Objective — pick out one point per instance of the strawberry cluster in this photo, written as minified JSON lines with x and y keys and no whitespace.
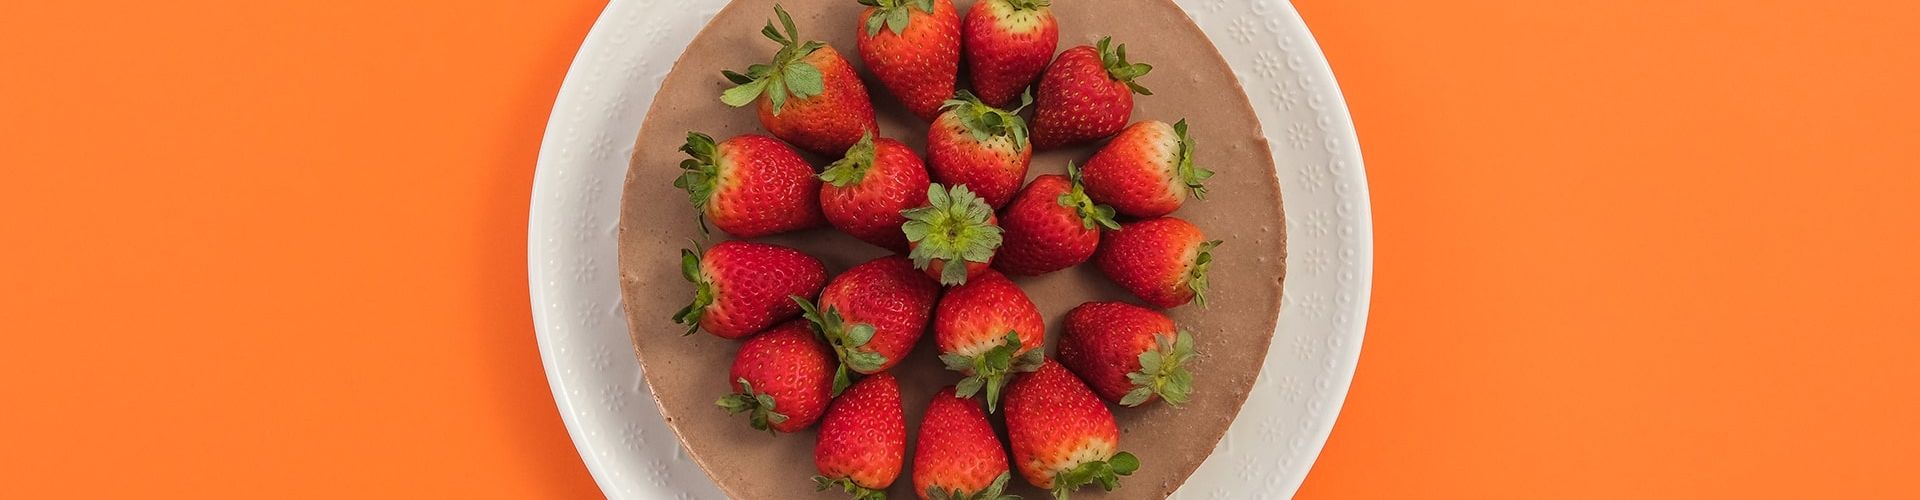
{"x":819,"y":350}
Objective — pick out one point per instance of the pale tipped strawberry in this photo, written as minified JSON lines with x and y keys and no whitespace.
{"x":784,"y":377}
{"x":957,"y":456}
{"x":863,"y":439}
{"x":1086,"y":95}
{"x":1009,"y":43}
{"x":913,"y":46}
{"x":864,"y":193}
{"x":954,"y":236}
{"x":872,"y":315}
{"x":1147,"y":171}
{"x":1052,"y":225}
{"x":808,"y":95}
{"x":741,"y":288}
{"x":981,"y":147}
{"x":1163,"y":261}
{"x":988,"y":330}
{"x":749,"y":186}
{"x":1063,"y":437}
{"x":1130,"y":355}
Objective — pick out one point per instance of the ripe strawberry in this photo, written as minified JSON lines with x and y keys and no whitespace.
{"x":749,"y":186}
{"x":808,"y":95}
{"x":1163,"y":261}
{"x":1147,"y":170}
{"x":863,"y":439}
{"x":1051,"y":226}
{"x":872,"y":315}
{"x":982,"y":147}
{"x":1009,"y":43}
{"x":1087,"y":94}
{"x":914,"y":47}
{"x":866,"y":191}
{"x":954,"y":236}
{"x":784,"y":377}
{"x":1127,"y":353}
{"x":1063,"y":436}
{"x":957,"y":456}
{"x":988,"y":329}
{"x":741,"y":288}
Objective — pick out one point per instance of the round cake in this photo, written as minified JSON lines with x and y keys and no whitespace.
{"x":1189,"y":81}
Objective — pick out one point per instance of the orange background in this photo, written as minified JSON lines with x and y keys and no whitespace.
{"x":1625,"y":249}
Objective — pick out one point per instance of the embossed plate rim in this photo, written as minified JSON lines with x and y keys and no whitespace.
{"x":596,"y":381}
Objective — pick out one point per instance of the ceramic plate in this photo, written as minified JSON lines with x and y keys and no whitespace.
{"x":596,"y":380}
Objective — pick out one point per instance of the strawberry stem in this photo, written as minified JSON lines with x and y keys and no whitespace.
{"x":786,"y":77}
{"x":1115,"y":59}
{"x":1106,"y":472}
{"x":1197,"y":276}
{"x":1163,"y":371}
{"x":823,"y":483}
{"x":1091,"y":214}
{"x":759,"y":405}
{"x":848,"y":342}
{"x":703,"y":294}
{"x":953,"y":228}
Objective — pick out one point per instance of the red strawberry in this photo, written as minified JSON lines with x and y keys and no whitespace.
{"x":784,"y":377}
{"x":1063,"y":437}
{"x":1163,"y":261}
{"x":863,"y":439}
{"x":1008,"y":43}
{"x":1147,"y":170}
{"x":914,"y":47}
{"x":873,"y":314}
{"x":988,"y":329}
{"x":1051,"y":226}
{"x":1087,"y":94}
{"x":982,"y":147}
{"x":741,"y":288}
{"x":808,"y":95}
{"x":866,"y":191}
{"x":954,"y":236}
{"x":1127,"y":353}
{"x":957,"y":456}
{"x":750,"y":185}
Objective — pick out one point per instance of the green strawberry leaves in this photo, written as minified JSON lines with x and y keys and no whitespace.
{"x":847,"y":341}
{"x":985,"y":122}
{"x":1163,"y":372}
{"x":760,"y":405}
{"x":787,"y":77}
{"x":853,"y":167}
{"x":995,"y":491}
{"x":990,"y":369}
{"x":1115,"y":59}
{"x":1091,"y":214}
{"x":893,"y":14}
{"x":699,"y":175}
{"x":703,"y":295}
{"x":823,"y":483}
{"x":1106,"y":472}
{"x":954,"y":228}
{"x":1189,"y":174}
{"x":1197,"y":276}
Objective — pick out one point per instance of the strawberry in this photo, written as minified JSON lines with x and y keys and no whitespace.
{"x":954,"y":236}
{"x":741,"y":288}
{"x":914,"y":47}
{"x":1163,"y":261}
{"x":872,"y":315}
{"x":1147,"y":170}
{"x":865,"y":192}
{"x":1127,"y":353}
{"x":863,"y":439}
{"x":1008,"y":43}
{"x":808,"y":95}
{"x":1063,"y":437}
{"x":784,"y":376}
{"x":1086,"y":94}
{"x":1051,"y":226}
{"x":982,"y":147}
{"x":957,"y":456}
{"x":749,"y":186}
{"x":988,"y":329}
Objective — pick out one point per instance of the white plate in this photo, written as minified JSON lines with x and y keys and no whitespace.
{"x":576,"y":204}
